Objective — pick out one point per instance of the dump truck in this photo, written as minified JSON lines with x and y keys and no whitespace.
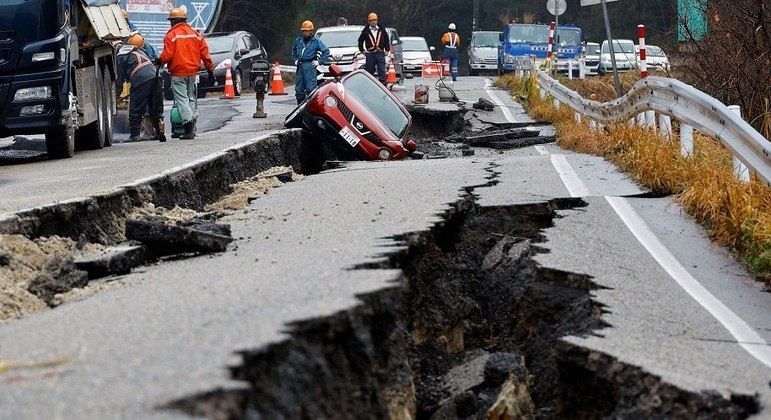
{"x":57,"y":71}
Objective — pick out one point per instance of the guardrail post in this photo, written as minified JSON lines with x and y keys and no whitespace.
{"x":665,"y":125}
{"x":686,"y":140}
{"x":741,"y":172}
{"x":556,"y":103}
{"x":592,"y":125}
{"x":640,"y":119}
{"x":542,"y":93}
{"x":570,"y":69}
{"x":577,"y":117}
{"x":650,"y":119}
{"x":582,"y":68}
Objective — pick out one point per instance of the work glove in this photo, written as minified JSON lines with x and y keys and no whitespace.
{"x":297,"y":63}
{"x":212,"y":78}
{"x":315,"y":63}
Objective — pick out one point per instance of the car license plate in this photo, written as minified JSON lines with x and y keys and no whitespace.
{"x":348,"y":135}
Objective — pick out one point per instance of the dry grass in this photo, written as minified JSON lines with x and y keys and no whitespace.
{"x":737,"y":214}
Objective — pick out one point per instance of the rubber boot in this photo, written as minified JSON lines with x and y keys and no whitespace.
{"x":189,"y":133}
{"x":160,"y":129}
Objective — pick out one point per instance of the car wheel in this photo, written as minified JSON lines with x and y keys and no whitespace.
{"x":237,"y":82}
{"x":473,"y":72}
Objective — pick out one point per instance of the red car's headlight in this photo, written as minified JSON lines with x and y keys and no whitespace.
{"x":330,"y":101}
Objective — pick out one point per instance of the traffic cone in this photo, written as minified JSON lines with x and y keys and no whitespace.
{"x":277,"y":85}
{"x":391,"y":73}
{"x":229,"y":92}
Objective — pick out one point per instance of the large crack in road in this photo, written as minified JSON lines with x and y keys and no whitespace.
{"x":472,"y":330}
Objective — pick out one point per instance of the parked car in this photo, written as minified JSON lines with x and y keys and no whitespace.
{"x":356,"y":116}
{"x":342,"y":42}
{"x":626,"y":59}
{"x":416,"y":52}
{"x":397,"y":50}
{"x":592,"y":57}
{"x":483,"y":51}
{"x":239,"y":50}
{"x":655,"y":57}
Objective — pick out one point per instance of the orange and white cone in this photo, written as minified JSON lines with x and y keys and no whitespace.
{"x":391,"y":73}
{"x":277,"y":85}
{"x":229,"y":92}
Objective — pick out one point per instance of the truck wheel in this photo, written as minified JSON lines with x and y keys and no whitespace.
{"x":109,"y":104}
{"x":60,"y":142}
{"x":92,"y":136}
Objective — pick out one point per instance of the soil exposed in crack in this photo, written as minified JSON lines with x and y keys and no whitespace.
{"x":41,"y":273}
{"x":473,"y":330}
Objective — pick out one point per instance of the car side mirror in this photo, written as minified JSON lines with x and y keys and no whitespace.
{"x":335,"y":70}
{"x":243,"y":51}
{"x":431,"y":49}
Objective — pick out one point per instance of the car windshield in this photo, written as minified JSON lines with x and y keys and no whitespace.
{"x":569,"y":36}
{"x":619,"y":47}
{"x":414,"y":44}
{"x":593,"y":49}
{"x":522,"y":34}
{"x":654,"y":51}
{"x":374,"y":97}
{"x":220,"y":44}
{"x":337,"y":39}
{"x":485,"y":40}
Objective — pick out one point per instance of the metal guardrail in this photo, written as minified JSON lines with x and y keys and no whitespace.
{"x":673,"y":98}
{"x":288,"y":69}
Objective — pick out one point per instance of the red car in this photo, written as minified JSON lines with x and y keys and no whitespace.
{"x":358,"y":117}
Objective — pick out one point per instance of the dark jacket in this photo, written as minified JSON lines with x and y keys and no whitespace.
{"x":377,"y":43}
{"x":134,"y":66}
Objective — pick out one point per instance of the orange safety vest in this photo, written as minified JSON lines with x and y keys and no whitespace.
{"x":451,"y":40}
{"x":374,"y":40}
{"x":142,"y":61}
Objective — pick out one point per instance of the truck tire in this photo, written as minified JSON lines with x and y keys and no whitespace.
{"x":109,"y":104}
{"x":60,"y":142}
{"x":92,"y":136}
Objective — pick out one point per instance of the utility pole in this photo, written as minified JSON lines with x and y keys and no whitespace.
{"x":475,"y":23}
{"x":612,"y":50}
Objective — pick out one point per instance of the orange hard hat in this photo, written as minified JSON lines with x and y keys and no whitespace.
{"x":124,"y":12}
{"x":306,"y":26}
{"x":136,"y":40}
{"x":177,"y":13}
{"x":372,"y":16}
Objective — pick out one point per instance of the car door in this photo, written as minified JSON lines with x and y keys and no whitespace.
{"x":245,"y":57}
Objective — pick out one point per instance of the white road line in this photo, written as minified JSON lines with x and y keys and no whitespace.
{"x":744,"y":334}
{"x":573,"y":183}
{"x":542,"y":150}
{"x":497,"y":100}
{"x":746,"y":337}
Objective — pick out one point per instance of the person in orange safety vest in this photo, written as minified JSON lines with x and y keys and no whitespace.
{"x":183,"y":50}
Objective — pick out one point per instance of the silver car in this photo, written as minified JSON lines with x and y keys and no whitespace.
{"x":626,"y":58}
{"x":416,"y":53}
{"x":483,"y":52}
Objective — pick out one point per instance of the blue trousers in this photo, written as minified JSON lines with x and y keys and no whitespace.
{"x":375,"y":61}
{"x":452,"y":55}
{"x":306,"y":81}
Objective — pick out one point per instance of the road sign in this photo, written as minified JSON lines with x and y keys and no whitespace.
{"x":149,"y":16}
{"x":556,"y":7}
{"x":593,"y":2}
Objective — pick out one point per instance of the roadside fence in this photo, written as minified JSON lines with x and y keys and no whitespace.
{"x":654,"y":101}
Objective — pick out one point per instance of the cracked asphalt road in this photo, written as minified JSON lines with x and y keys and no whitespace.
{"x":170,"y":330}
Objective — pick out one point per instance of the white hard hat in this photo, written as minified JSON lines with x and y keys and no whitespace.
{"x":452,"y":27}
